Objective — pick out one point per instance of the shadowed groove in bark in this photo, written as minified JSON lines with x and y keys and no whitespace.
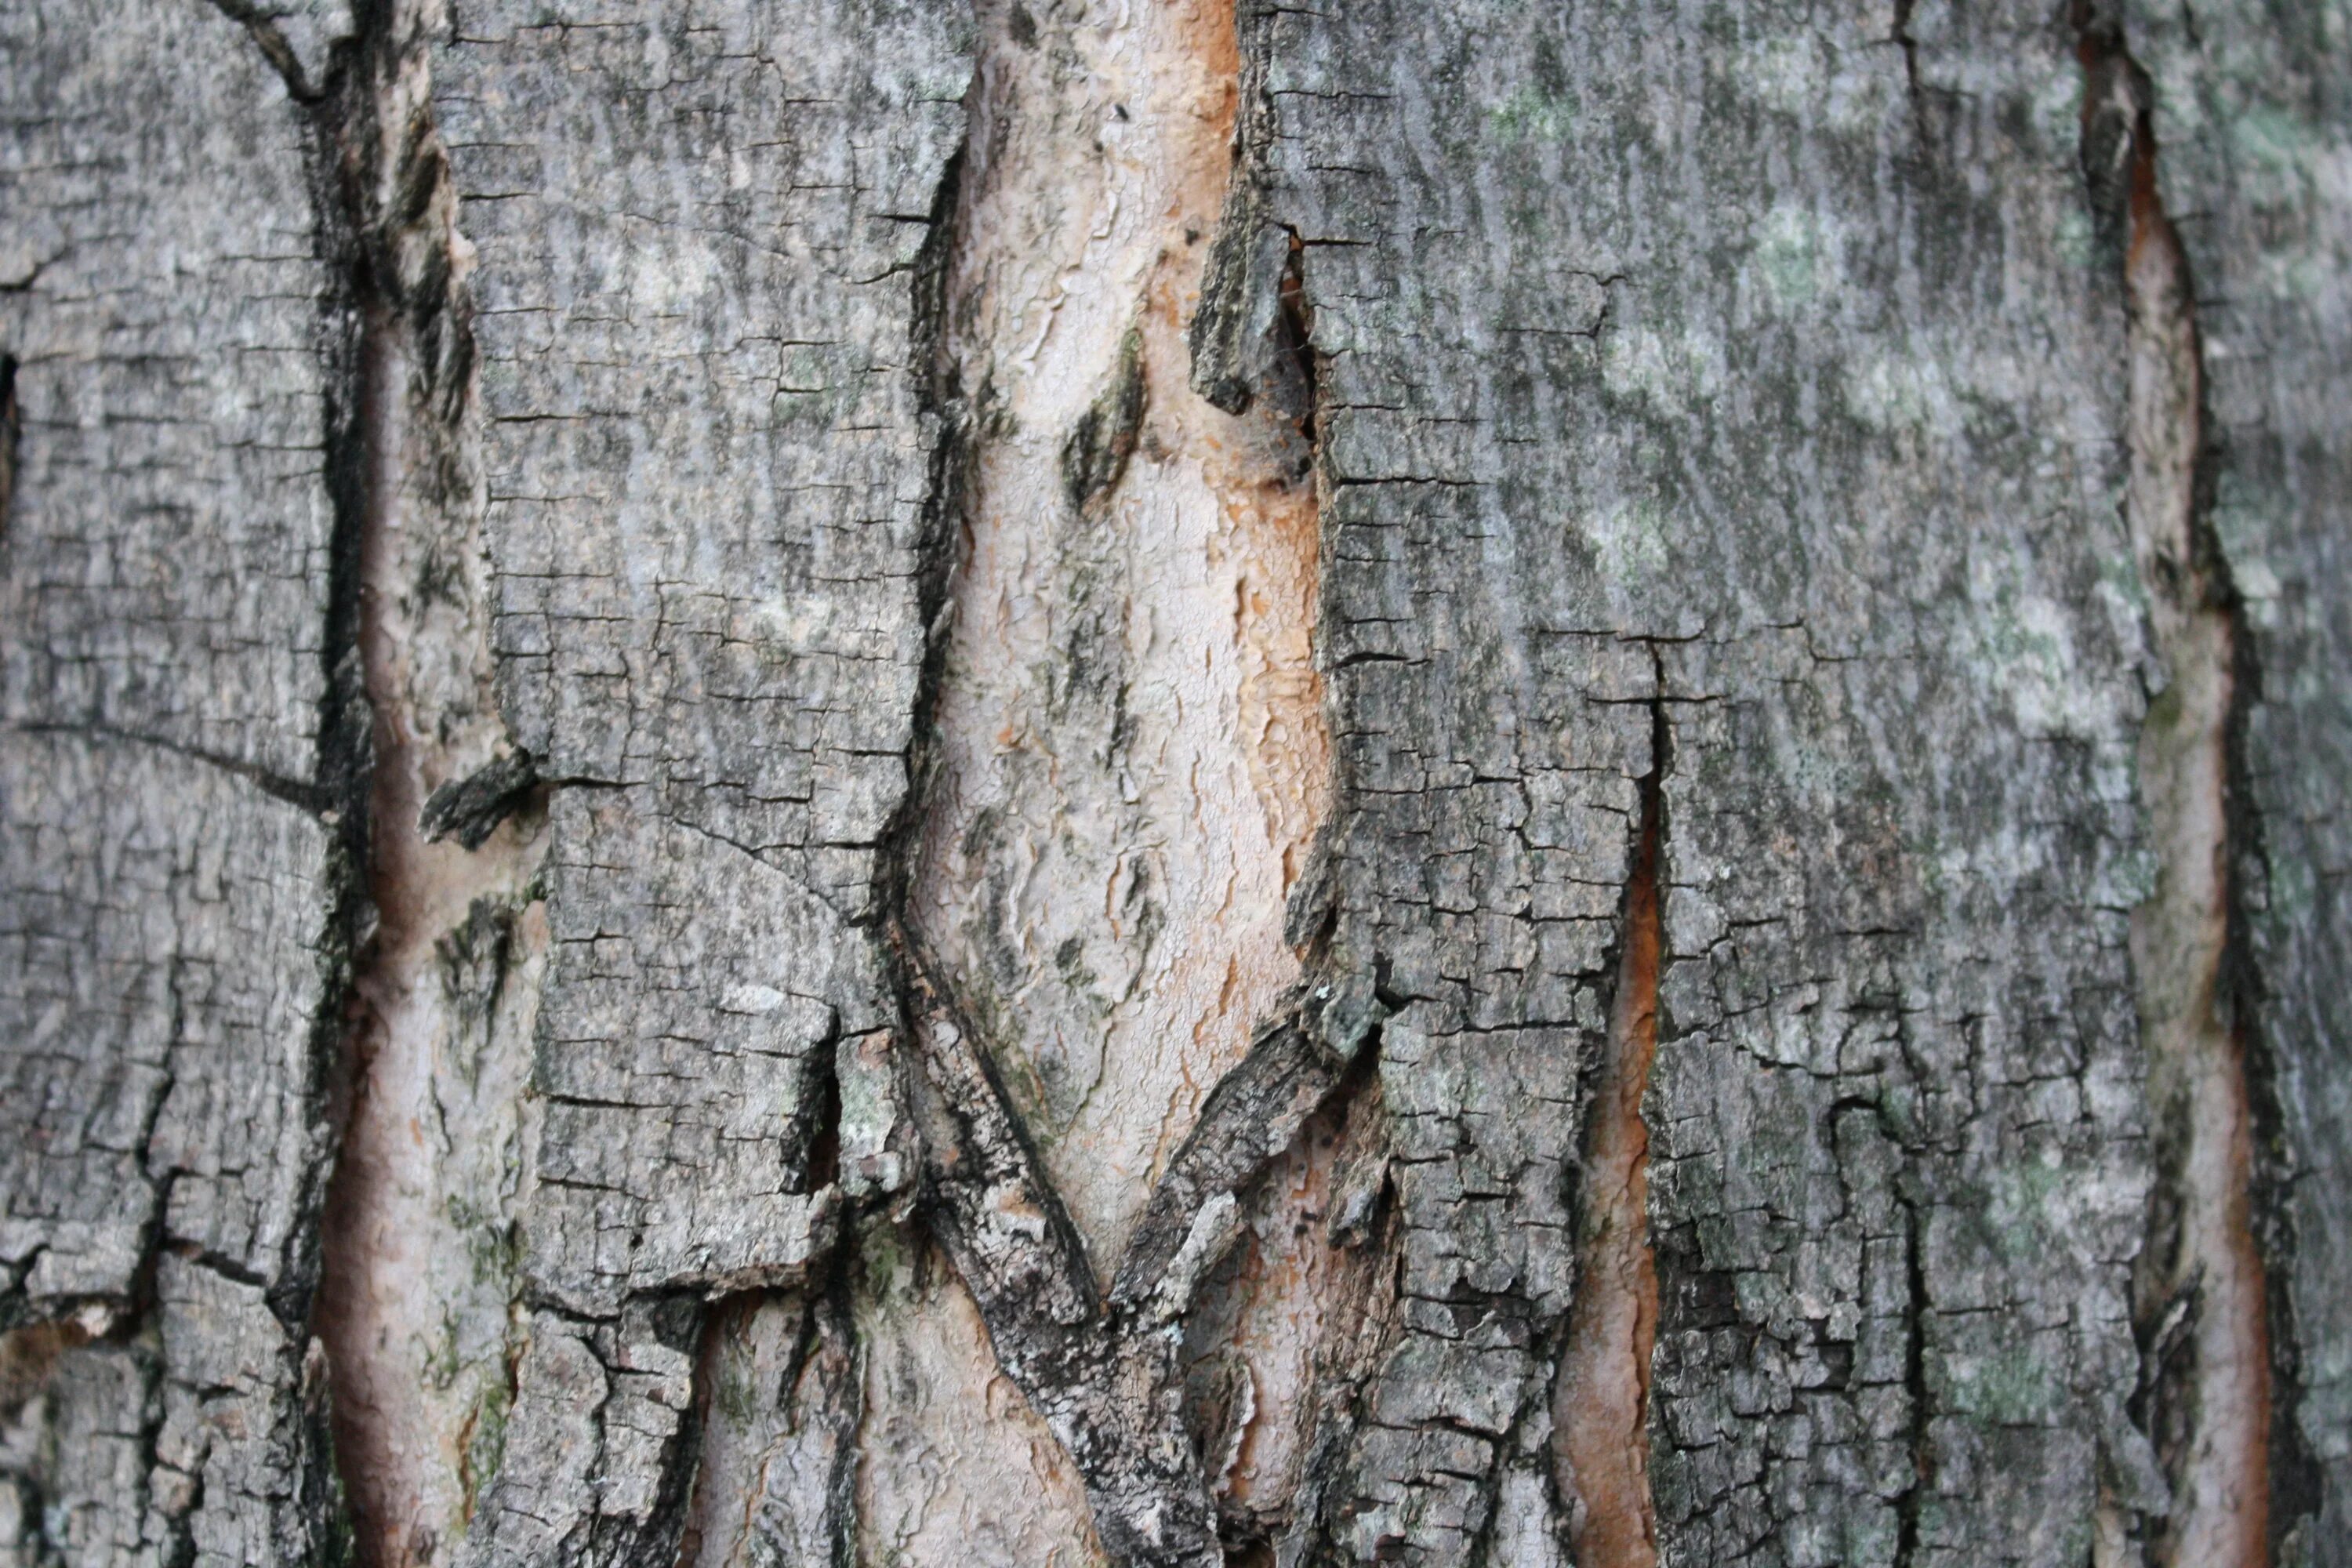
{"x":1908,"y":1506}
{"x":271,"y":41}
{"x":442,"y":993}
{"x":340,"y":785}
{"x":1268,"y":1338}
{"x":9,"y":432}
{"x":1905,"y":40}
{"x":2206,"y":1396}
{"x":1602,"y":1396}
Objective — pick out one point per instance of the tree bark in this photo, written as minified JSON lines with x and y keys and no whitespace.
{"x":1103,"y":781}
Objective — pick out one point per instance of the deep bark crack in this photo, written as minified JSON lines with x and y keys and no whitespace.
{"x":1603,"y":1398}
{"x":10,"y":432}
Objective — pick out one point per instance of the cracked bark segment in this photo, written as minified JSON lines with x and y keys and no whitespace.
{"x":776,"y":1478}
{"x":195,"y":1436}
{"x":1711,"y":362}
{"x":599,"y":1451}
{"x":242,"y":1438}
{"x":169,"y":537}
{"x":164,"y":973}
{"x":704,"y":469}
{"x":695,"y":230}
{"x":2249,"y":119}
{"x":76,"y":1427}
{"x":159,"y":990}
{"x":172,"y":957}
{"x":681,"y":1163}
{"x":1967,"y":1362}
{"x":164,"y":591}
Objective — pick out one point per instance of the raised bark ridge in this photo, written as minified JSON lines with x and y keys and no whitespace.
{"x":705,"y":462}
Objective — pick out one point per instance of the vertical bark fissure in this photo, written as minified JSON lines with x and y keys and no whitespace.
{"x":339,"y":789}
{"x":1075,"y":456}
{"x":10,"y":431}
{"x":1128,"y":757}
{"x":414,"y":1304}
{"x":1909,"y":44}
{"x":2206,"y":1396}
{"x":1602,"y":1400}
{"x":1261,"y":1340}
{"x":1914,"y":1497}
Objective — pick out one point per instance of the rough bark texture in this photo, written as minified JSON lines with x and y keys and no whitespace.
{"x":1091,"y":782}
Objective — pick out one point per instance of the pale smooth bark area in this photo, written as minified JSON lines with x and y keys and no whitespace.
{"x":1111,"y":783}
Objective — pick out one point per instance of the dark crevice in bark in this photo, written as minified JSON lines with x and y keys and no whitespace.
{"x":1298,"y":376}
{"x":11,"y":431}
{"x":1603,"y":1398}
{"x":680,"y":1322}
{"x":942,"y":397}
{"x":271,"y":41}
{"x":2218,"y":1351}
{"x":812,"y":1145}
{"x":399,"y":394}
{"x":301,"y":794}
{"x":312,"y":1517}
{"x":736,"y":1504}
{"x":833,"y":1327}
{"x":728,"y":1315}
{"x":342,"y":772}
{"x":1909,"y":45}
{"x":1908,"y":1505}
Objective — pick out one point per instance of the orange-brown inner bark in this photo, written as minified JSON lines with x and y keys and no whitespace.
{"x":1602,"y":1414}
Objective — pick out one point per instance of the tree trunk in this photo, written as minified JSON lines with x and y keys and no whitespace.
{"x":1067,"y":782}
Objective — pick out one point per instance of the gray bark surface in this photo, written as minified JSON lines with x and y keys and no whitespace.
{"x":173,"y":879}
{"x":526,"y":1038}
